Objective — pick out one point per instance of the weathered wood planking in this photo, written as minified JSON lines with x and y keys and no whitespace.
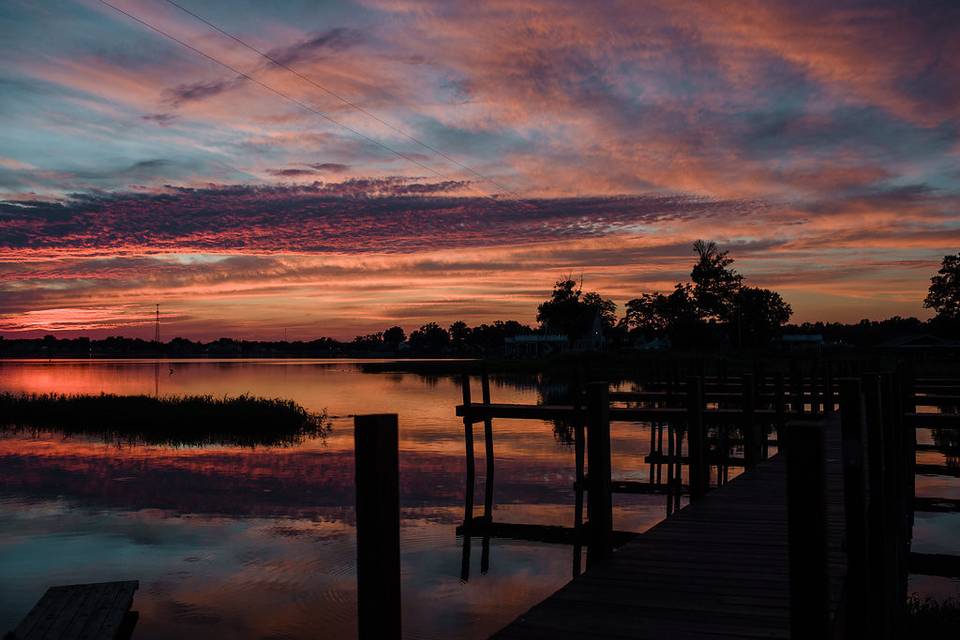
{"x":96,"y":611}
{"x":479,"y":412}
{"x":716,"y":569}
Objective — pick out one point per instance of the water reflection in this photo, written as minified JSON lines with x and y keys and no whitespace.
{"x":241,"y":543}
{"x":261,"y":543}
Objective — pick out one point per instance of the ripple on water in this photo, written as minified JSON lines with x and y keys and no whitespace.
{"x":189,"y":613}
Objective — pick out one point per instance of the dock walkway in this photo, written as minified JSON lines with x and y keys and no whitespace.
{"x":99,"y":611}
{"x":715,"y":569}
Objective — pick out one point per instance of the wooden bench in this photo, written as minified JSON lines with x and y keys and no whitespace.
{"x":99,"y":611}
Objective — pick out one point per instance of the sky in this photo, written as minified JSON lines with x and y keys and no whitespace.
{"x":399,"y":162}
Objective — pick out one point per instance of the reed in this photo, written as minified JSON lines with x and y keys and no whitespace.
{"x":932,"y":619}
{"x":191,"y":420}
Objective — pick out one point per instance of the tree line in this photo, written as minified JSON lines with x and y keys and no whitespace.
{"x":716,"y":308}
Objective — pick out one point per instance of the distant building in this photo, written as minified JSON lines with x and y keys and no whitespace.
{"x":920,"y":341}
{"x":534,"y":346}
{"x":654,"y":344}
{"x":802,"y":341}
{"x":594,"y":340}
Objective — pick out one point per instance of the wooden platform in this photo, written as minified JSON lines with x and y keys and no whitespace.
{"x":99,"y":611}
{"x":480,"y":412}
{"x":716,"y":569}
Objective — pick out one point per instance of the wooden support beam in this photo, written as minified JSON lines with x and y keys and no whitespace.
{"x":696,"y":440}
{"x":600,"y":505}
{"x":855,"y":505}
{"x":807,"y":532}
{"x":752,"y":438}
{"x":545,"y":533}
{"x":936,"y":505}
{"x":378,"y":525}
{"x":935,"y":564}
{"x":878,"y":597}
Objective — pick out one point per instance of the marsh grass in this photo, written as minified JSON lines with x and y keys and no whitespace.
{"x":932,"y":619}
{"x":196,"y":420}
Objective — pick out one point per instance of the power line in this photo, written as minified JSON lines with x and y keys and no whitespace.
{"x":287,"y":97}
{"x":347,"y":102}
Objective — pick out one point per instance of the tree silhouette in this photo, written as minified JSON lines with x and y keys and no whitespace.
{"x":715,"y":284}
{"x":944,"y":293}
{"x":394,"y":337}
{"x":459,"y":335}
{"x":759,"y":315}
{"x":430,"y":338}
{"x":654,"y":314}
{"x":571,"y":312}
{"x":716,"y":302}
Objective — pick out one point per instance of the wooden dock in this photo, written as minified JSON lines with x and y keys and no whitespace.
{"x":719,"y":568}
{"x":99,"y":611}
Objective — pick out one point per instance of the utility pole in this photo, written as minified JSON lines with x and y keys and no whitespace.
{"x":156,"y":329}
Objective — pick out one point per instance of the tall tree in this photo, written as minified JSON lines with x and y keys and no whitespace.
{"x":394,"y":337}
{"x":459,"y":335}
{"x":944,"y":293}
{"x":759,"y":315}
{"x":571,"y":312}
{"x":654,"y":314}
{"x":430,"y":338}
{"x":715,"y":283}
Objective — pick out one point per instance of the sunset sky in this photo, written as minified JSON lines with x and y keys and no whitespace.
{"x":819,"y":141}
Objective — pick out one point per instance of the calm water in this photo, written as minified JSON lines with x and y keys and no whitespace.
{"x":231,"y":542}
{"x":260,"y":543}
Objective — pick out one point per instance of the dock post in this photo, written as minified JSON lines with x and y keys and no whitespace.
{"x":600,"y":504}
{"x":488,"y":446}
{"x":894,"y":509}
{"x":908,"y":405}
{"x":855,"y":506}
{"x":468,"y":449}
{"x":807,"y":532}
{"x":815,"y":388}
{"x":828,"y":401}
{"x":696,"y":440}
{"x":779,"y":403}
{"x":378,"y":525}
{"x":796,"y":381}
{"x":488,"y":476}
{"x":749,"y":425}
{"x":879,"y":619}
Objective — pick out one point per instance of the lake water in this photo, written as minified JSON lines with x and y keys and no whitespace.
{"x":232,"y":542}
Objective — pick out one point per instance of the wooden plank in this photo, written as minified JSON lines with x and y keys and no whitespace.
{"x":79,"y":612}
{"x":717,"y":568}
{"x":935,"y":564}
{"x":936,"y":505}
{"x":933,"y":420}
{"x":479,"y":412}
{"x":545,"y":533}
{"x":937,"y":470}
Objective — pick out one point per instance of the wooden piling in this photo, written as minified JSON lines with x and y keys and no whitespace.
{"x":696,"y":440}
{"x":488,"y":447}
{"x":378,"y":525}
{"x":855,"y":506}
{"x":828,"y":397}
{"x":779,"y":402}
{"x":894,"y":510}
{"x":878,"y":602}
{"x":807,"y":532}
{"x":749,"y":425}
{"x":796,"y":381}
{"x":489,"y":475}
{"x":468,"y":449}
{"x":600,"y":504}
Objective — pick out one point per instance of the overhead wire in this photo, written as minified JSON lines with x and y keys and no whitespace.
{"x":279,"y":63}
{"x":292,"y":99}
